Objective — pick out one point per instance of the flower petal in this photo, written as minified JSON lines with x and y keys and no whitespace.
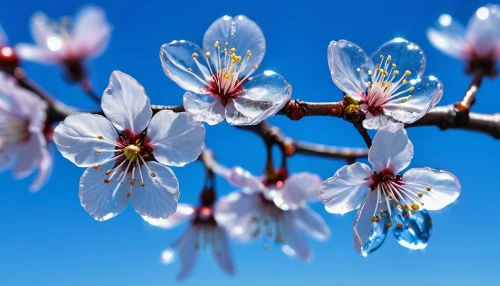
{"x":378,"y":121}
{"x":240,"y":33}
{"x":349,"y":67}
{"x":103,"y":200}
{"x":299,"y":188}
{"x":412,"y":229}
{"x":29,"y":156}
{"x":188,"y":252}
{"x":177,"y":58}
{"x":126,"y":104}
{"x":183,"y":213}
{"x":391,"y":148}
{"x":91,"y":32}
{"x":406,"y":55}
{"x":30,"y":52}
{"x":444,"y":187}
{"x":221,"y":252}
{"x":448,"y":35}
{"x":205,"y":108}
{"x":263,"y":96}
{"x":368,"y":236}
{"x":311,"y":222}
{"x":77,"y":138}
{"x":44,"y":170}
{"x":41,"y":29}
{"x":346,"y":190}
{"x":239,"y":177}
{"x":176,"y":138}
{"x":295,"y":244}
{"x":483,"y":30}
{"x":158,"y":198}
{"x":428,"y":92}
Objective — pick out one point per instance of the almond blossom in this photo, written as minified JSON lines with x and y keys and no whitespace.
{"x":203,"y":232}
{"x":388,"y":86}
{"x":275,"y":209}
{"x":24,"y":133}
{"x":385,"y":198}
{"x":218,"y":78}
{"x":478,"y":44}
{"x":126,"y":152}
{"x":67,"y":43}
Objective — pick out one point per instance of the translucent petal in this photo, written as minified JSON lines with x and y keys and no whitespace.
{"x":204,"y":107}
{"x":299,"y":188}
{"x":91,"y":32}
{"x":240,"y":33}
{"x":126,"y":104}
{"x":311,"y":222}
{"x":295,"y":244}
{"x":183,"y":213}
{"x":438,"y":188}
{"x":346,"y":190}
{"x":30,"y":52}
{"x":221,"y":252}
{"x":188,"y":252}
{"x":263,"y":97}
{"x":377,"y":121}
{"x":415,"y":230}
{"x":44,"y":171}
{"x":448,"y":35}
{"x":177,"y":58}
{"x":349,"y":67}
{"x":391,"y":148}
{"x":29,"y":156}
{"x":406,"y":55}
{"x":41,"y":28}
{"x":158,"y":197}
{"x":103,"y":200}
{"x":176,"y":138}
{"x":368,"y":236}
{"x":428,"y":92}
{"x":483,"y":30}
{"x":77,"y":138}
{"x":239,"y":177}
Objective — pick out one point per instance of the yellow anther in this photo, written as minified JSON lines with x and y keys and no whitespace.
{"x":410,"y":97}
{"x":225,"y":45}
{"x":370,"y":72}
{"x":396,"y":72}
{"x":249,"y":53}
{"x":393,"y":66}
{"x":227,"y":76}
{"x":402,"y":100}
{"x":374,"y":219}
{"x":381,"y":57}
{"x":399,"y":225}
{"x":232,"y":51}
{"x":153,"y":175}
{"x":415,"y":207}
{"x":389,"y":224}
{"x":386,"y":73}
{"x":195,"y":55}
{"x":100,"y":137}
{"x":412,"y":89}
{"x":428,"y":188}
{"x":378,"y":219}
{"x":106,"y":181}
{"x":255,"y":67}
{"x":389,"y":58}
{"x":405,"y":207}
{"x":404,"y":81}
{"x":128,"y":195}
{"x":368,"y":84}
{"x":216,"y":44}
{"x":208,"y":54}
{"x":132,"y":181}
{"x":108,"y":172}
{"x":407,"y":73}
{"x":142,"y":184}
{"x":95,"y":167}
{"x":382,"y":211}
{"x":97,"y":152}
{"x":420,"y":195}
{"x":131,"y":152}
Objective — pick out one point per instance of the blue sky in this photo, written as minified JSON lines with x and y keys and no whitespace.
{"x":48,"y":239}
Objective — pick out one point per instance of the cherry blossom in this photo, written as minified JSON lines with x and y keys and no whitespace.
{"x":218,"y":78}
{"x":203,"y":232}
{"x":275,"y":209}
{"x":67,"y":43}
{"x":385,"y":198}
{"x":392,"y":90}
{"x":126,"y":152}
{"x":23,"y":132}
{"x":478,"y":44}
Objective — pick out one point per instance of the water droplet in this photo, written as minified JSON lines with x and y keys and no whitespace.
{"x":416,"y":228}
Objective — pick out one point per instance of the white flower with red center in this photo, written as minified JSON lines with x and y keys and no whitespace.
{"x":203,"y":232}
{"x":393,"y":89}
{"x":218,"y":77}
{"x":478,"y":44}
{"x":386,"y":199}
{"x":126,"y":151}
{"x":277,"y":210}
{"x":23,"y":132}
{"x":67,"y":43}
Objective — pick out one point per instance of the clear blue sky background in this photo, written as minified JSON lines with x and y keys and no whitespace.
{"x":48,"y":239}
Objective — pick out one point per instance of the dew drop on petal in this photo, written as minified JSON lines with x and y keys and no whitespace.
{"x":445,"y":20}
{"x":288,"y":250}
{"x":415,"y":231}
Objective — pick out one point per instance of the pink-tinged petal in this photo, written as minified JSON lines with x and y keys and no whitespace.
{"x":103,"y":200}
{"x":91,"y":32}
{"x":126,"y":104}
{"x":80,"y":137}
{"x":448,"y":35}
{"x":346,"y":190}
{"x":295,"y":244}
{"x":391,"y":148}
{"x":205,"y":108}
{"x":29,"y":156}
{"x":349,"y":67}
{"x":298,"y":189}
{"x":188,"y":252}
{"x":177,"y":58}
{"x":367,"y":235}
{"x":30,"y":52}
{"x":3,"y":37}
{"x":239,"y":177}
{"x":160,"y":193}
{"x":378,"y":121}
{"x":41,"y":29}
{"x":240,"y":33}
{"x":406,"y":55}
{"x":221,"y":252}
{"x":311,"y":222}
{"x":44,"y":170}
{"x":428,"y":92}
{"x":183,"y":213}
{"x":176,"y":138}
{"x":263,"y":96}
{"x":483,"y":30}
{"x":438,"y":188}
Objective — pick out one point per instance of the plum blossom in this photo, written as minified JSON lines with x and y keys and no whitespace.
{"x":126,"y":152}
{"x":276,"y":209}
{"x":24,"y":132}
{"x":67,"y":43}
{"x":218,"y":78}
{"x":392,"y":90}
{"x":478,"y":44}
{"x":203,"y":232}
{"x":385,"y":198}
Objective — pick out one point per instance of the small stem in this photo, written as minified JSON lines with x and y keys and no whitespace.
{"x":87,"y":88}
{"x":364,"y":133}
{"x":470,"y":95}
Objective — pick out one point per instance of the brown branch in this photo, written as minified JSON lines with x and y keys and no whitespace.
{"x":364,"y":133}
{"x":470,"y":95}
